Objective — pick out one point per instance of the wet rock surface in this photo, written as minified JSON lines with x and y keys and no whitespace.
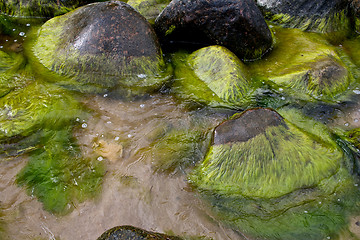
{"x":237,"y":25}
{"x":251,"y":123}
{"x":133,"y":233}
{"x":100,"y":47}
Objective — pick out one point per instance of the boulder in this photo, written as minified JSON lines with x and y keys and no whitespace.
{"x":265,"y":177}
{"x":304,"y":65}
{"x":237,"y":25}
{"x":101,"y":47}
{"x":213,"y":76}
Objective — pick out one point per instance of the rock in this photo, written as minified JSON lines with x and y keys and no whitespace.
{"x":266,"y":176}
{"x":40,"y":8}
{"x":102,"y":47}
{"x":214,"y":76}
{"x":321,"y":16}
{"x":237,"y":25}
{"x":48,"y":107}
{"x":304,"y":65}
{"x":133,"y":233}
{"x":150,"y":9}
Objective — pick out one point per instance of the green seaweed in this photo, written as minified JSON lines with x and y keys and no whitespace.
{"x":284,"y":183}
{"x":335,"y":26}
{"x":58,"y":175}
{"x":304,"y":65}
{"x":25,"y":111}
{"x":213,"y":76}
{"x":179,"y":149}
{"x":150,"y":9}
{"x":35,"y":8}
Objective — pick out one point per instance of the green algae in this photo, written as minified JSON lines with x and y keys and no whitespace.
{"x":336,"y":26}
{"x":213,"y":76}
{"x":25,"y":111}
{"x":305,"y":65}
{"x":179,"y":149}
{"x":58,"y":175}
{"x":94,"y":73}
{"x":35,"y":8}
{"x":284,"y":183}
{"x":150,"y":9}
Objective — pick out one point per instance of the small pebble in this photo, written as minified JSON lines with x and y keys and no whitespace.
{"x":84,"y":125}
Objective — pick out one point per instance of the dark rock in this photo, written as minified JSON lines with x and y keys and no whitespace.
{"x":133,"y":233}
{"x":101,"y":47}
{"x":251,"y":123}
{"x":237,"y":25}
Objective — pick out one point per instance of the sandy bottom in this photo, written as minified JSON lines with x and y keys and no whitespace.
{"x":134,"y":193}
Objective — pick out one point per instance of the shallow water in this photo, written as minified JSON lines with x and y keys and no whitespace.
{"x":136,"y":190}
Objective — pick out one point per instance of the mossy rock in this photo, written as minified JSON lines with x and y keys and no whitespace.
{"x":271,"y":179}
{"x":150,"y":9}
{"x":58,"y":175}
{"x":320,"y":16}
{"x":37,"y":106}
{"x":40,"y":8}
{"x":133,"y":233}
{"x":304,"y":65}
{"x":236,"y":25}
{"x":213,"y":76}
{"x":101,"y":47}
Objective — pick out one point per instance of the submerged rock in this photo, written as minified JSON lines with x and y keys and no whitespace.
{"x":213,"y":76}
{"x":133,"y":233}
{"x":25,"y":112}
{"x":102,"y":47}
{"x":150,"y":9}
{"x":321,"y":16}
{"x":267,"y":177}
{"x":40,"y":8}
{"x":304,"y":65}
{"x":237,"y":25}
{"x":58,"y":175}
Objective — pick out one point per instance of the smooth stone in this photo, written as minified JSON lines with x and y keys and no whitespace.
{"x":237,"y":25}
{"x":150,"y":9}
{"x":102,"y":47}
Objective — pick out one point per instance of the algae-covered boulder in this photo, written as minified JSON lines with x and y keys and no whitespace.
{"x":133,"y":233}
{"x":321,"y":16}
{"x":271,"y":179}
{"x":40,"y":8}
{"x":213,"y":76}
{"x":150,"y":9}
{"x":304,"y":65}
{"x":237,"y":25}
{"x":101,"y":47}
